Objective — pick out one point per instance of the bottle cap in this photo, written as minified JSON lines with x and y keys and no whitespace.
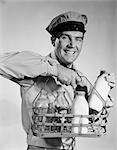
{"x":81,"y":88}
{"x":102,"y":72}
{"x":80,"y":92}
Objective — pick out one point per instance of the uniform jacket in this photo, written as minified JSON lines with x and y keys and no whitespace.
{"x":33,"y":73}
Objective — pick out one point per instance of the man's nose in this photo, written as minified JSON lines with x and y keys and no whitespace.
{"x":71,"y":43}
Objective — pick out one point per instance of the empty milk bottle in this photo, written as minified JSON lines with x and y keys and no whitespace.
{"x":80,"y":107}
{"x":100,"y":92}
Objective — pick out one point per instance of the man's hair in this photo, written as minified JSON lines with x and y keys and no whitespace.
{"x":53,"y":39}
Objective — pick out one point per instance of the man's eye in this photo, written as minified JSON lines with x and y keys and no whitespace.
{"x":64,"y":37}
{"x":79,"y":39}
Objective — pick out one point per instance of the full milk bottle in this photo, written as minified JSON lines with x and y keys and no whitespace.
{"x":100,"y":92}
{"x":80,"y":107}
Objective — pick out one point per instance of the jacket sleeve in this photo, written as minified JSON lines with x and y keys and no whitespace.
{"x":18,"y":65}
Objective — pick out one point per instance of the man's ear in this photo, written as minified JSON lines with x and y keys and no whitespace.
{"x":54,"y":38}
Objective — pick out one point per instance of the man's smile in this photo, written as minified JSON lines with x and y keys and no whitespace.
{"x":69,"y":52}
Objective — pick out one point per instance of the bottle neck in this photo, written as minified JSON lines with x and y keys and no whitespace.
{"x":82,"y":93}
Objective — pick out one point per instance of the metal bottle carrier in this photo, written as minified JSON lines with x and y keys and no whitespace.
{"x":60,"y":125}
{"x":49,"y":122}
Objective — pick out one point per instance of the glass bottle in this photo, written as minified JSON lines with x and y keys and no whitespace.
{"x":99,"y":93}
{"x":80,"y":108}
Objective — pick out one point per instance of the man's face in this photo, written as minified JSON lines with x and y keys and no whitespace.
{"x":68,"y":46}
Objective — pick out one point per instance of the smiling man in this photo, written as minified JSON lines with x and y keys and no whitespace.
{"x":67,"y":32}
{"x":41,"y":78}
{"x":68,"y":47}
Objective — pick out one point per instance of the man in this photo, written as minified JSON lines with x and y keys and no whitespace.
{"x":40,"y":77}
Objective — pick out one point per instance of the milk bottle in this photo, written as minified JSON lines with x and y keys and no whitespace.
{"x":100,"y":92}
{"x":80,"y":107}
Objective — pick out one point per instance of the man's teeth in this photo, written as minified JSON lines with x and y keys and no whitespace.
{"x":70,"y":52}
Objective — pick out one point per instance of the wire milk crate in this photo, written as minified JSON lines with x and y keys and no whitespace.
{"x":52,"y":120}
{"x":48,"y":124}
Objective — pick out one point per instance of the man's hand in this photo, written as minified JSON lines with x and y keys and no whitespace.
{"x":111,"y":79}
{"x":67,"y":76}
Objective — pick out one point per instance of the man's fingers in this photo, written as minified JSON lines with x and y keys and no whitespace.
{"x":78,"y":78}
{"x":110,"y":78}
{"x":68,"y":76}
{"x":73,"y":83}
{"x":111,"y":84}
{"x":65,"y":80}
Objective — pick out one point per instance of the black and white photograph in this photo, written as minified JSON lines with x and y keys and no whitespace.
{"x":58,"y":75}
